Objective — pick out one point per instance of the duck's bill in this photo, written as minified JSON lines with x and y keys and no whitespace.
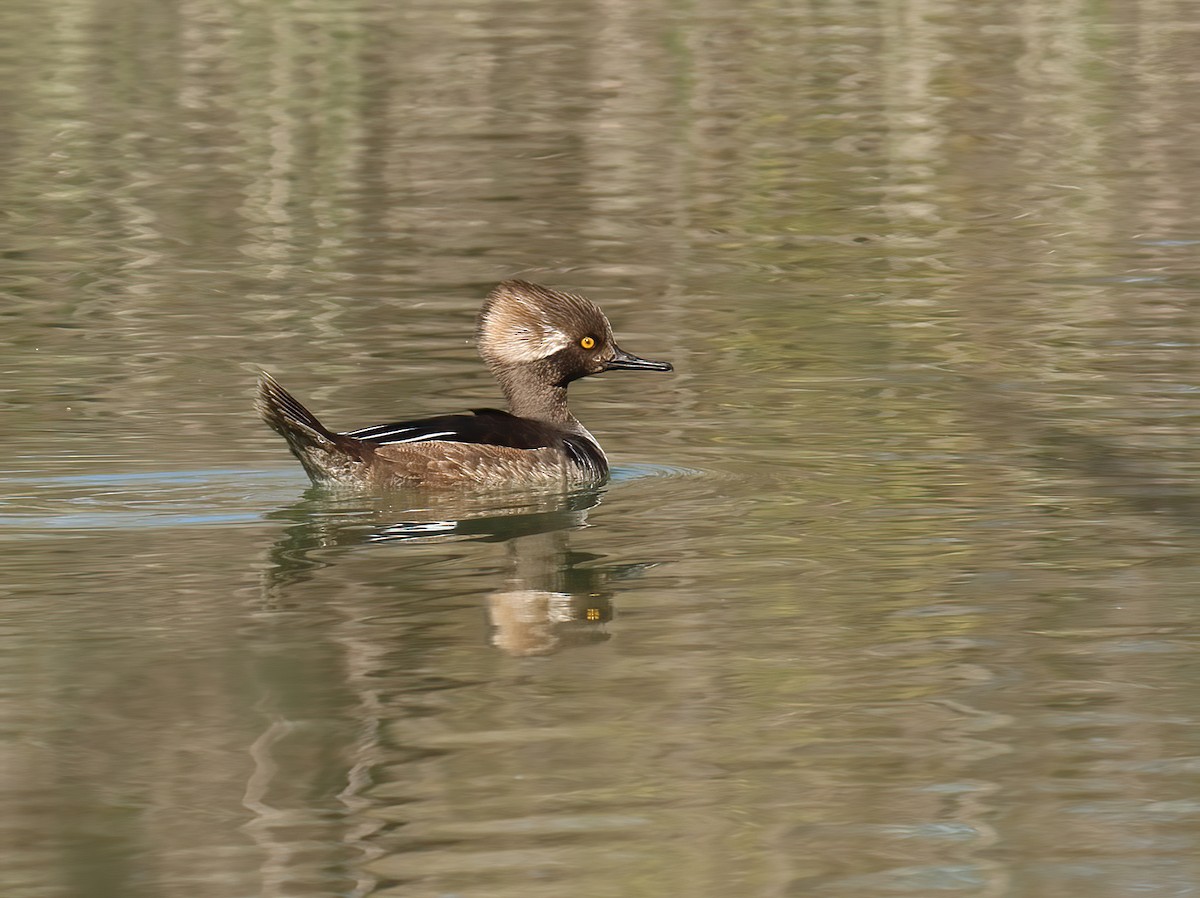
{"x":623,"y":361}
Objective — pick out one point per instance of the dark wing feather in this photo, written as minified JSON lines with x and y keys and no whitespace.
{"x":486,"y":426}
{"x":586,"y":455}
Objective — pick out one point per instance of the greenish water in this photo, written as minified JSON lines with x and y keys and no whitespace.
{"x":894,"y":590}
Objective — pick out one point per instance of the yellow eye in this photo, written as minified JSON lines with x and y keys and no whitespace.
{"x":587,"y":342}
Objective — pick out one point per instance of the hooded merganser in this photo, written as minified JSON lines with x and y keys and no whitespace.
{"x":535,"y":341}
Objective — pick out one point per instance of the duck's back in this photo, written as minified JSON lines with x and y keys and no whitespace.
{"x":489,"y":448}
{"x":486,"y":448}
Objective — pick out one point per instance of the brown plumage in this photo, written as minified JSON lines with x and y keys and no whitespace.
{"x":535,"y":341}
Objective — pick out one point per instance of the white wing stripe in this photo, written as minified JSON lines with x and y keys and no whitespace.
{"x":419,"y":438}
{"x":379,"y":430}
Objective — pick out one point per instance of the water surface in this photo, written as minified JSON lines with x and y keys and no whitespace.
{"x":893,"y":590}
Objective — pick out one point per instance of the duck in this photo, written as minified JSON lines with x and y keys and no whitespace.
{"x":535,"y":341}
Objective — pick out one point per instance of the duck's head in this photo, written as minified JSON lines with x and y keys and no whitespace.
{"x":559,"y":337}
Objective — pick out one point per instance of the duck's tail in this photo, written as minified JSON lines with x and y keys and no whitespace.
{"x":326,"y":456}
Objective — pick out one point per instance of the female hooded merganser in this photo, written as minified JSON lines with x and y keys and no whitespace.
{"x":535,"y":341}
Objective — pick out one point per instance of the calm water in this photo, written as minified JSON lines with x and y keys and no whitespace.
{"x":894,"y":591}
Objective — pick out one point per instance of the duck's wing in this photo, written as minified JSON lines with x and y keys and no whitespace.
{"x":449,"y":448}
{"x":487,"y":426}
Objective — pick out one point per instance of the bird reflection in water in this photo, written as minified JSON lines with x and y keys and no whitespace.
{"x":552,"y":597}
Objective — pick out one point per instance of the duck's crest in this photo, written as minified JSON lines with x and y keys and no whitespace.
{"x":524,"y":322}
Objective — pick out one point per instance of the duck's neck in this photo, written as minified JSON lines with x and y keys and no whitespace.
{"x":532,"y":397}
